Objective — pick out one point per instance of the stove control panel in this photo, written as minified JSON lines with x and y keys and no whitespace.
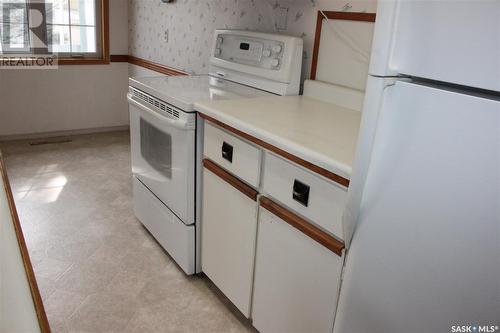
{"x":263,"y":60}
{"x":263,"y":53}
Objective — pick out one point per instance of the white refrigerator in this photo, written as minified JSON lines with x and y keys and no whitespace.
{"x":424,"y":205}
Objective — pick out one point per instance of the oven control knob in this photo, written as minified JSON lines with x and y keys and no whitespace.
{"x":266,"y":53}
{"x":277,"y":48}
{"x":275,"y":62}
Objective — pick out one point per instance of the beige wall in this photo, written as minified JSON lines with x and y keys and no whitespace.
{"x":71,"y":97}
{"x":118,"y":26}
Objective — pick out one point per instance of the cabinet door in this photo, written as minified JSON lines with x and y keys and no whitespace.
{"x":296,"y":279}
{"x":229,"y":227}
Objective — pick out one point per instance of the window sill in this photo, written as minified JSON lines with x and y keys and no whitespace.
{"x":83,"y":61}
{"x":76,"y":61}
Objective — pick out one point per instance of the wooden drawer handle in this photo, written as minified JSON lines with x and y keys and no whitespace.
{"x":302,"y":225}
{"x":230,"y":179}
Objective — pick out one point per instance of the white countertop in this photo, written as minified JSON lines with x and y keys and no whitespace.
{"x":184,"y":91}
{"x":321,"y":133}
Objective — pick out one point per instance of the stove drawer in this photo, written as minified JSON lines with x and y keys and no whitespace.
{"x":173,"y":235}
{"x":310,"y":195}
{"x":233,"y":154}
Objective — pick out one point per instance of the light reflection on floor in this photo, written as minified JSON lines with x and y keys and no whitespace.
{"x":44,"y":187}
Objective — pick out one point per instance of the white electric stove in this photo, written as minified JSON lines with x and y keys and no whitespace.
{"x":165,"y":137}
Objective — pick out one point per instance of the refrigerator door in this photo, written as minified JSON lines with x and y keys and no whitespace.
{"x":425,"y":253}
{"x":451,"y":41}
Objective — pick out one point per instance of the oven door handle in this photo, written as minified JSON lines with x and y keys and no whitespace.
{"x":180,"y":124}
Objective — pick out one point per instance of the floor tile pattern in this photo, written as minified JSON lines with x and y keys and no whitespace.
{"x":97,"y":267}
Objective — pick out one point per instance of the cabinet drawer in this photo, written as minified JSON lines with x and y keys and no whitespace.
{"x":233,"y":154}
{"x":296,"y":280}
{"x":312,"y":196}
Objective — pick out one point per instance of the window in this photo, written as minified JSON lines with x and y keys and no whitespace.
{"x":75,"y":30}
{"x":14,"y":27}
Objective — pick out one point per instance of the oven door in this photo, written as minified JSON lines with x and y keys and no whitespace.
{"x":163,"y":155}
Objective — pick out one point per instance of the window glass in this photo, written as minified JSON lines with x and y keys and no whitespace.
{"x":60,"y":38}
{"x":83,"y":39}
{"x":14,"y":27}
{"x":72,"y":27}
{"x":83,"y":12}
{"x":57,"y":12}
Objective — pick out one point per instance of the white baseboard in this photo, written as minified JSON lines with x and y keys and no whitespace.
{"x":62,"y":133}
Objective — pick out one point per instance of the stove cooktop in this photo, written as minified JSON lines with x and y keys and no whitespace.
{"x":183,"y":91}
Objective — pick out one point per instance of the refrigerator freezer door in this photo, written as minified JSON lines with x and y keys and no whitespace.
{"x":425,"y":254}
{"x":451,"y":41}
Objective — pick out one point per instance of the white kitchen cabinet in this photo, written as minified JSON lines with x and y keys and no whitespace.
{"x":229,"y":228}
{"x":296,"y":278}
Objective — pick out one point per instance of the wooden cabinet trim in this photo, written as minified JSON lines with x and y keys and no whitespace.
{"x":118,"y":58}
{"x":155,"y":66}
{"x":308,"y":165}
{"x":303,"y":226}
{"x":230,"y":179}
{"x":30,"y":274}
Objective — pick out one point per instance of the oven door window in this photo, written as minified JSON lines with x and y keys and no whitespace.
{"x":156,"y":148}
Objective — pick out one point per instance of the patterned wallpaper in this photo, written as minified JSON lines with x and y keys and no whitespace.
{"x":179,"y":34}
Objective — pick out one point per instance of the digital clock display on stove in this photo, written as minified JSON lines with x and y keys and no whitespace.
{"x":244,"y":46}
